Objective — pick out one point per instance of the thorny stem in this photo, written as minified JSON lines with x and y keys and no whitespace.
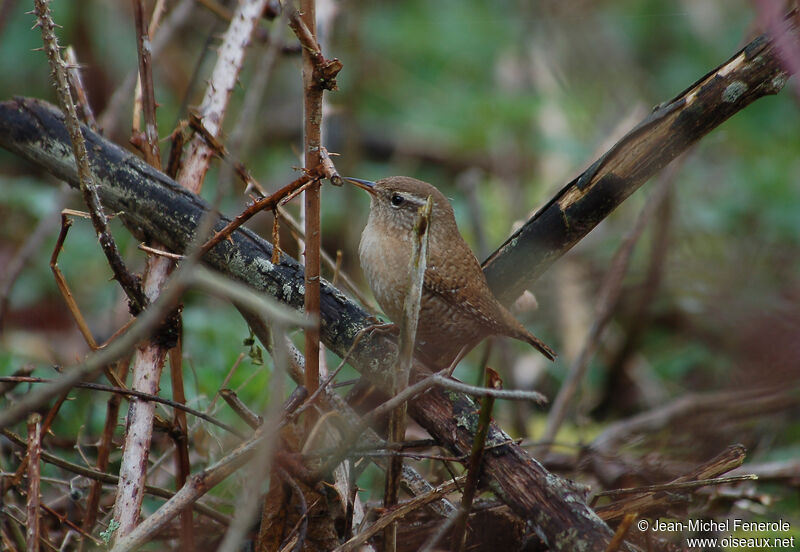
{"x":88,"y":187}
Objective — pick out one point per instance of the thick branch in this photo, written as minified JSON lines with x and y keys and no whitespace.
{"x":671,"y":128}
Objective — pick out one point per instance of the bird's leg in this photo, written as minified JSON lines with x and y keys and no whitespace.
{"x":459,"y":357}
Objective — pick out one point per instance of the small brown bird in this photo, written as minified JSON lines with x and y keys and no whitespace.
{"x":457,"y":309}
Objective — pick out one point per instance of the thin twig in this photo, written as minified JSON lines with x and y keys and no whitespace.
{"x":622,"y":530}
{"x":678,"y":486}
{"x":399,"y":513}
{"x":197,"y":486}
{"x":63,"y":287}
{"x":270,"y":202}
{"x":458,"y":540}
{"x":129,"y":393}
{"x":730,"y":458}
{"x":196,"y":123}
{"x":240,"y":409}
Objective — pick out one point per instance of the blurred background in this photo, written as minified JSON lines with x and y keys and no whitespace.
{"x":499,"y":104}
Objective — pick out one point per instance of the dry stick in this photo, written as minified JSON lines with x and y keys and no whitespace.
{"x":64,"y":520}
{"x":107,"y":478}
{"x":34,"y":453}
{"x":82,"y":98}
{"x":225,"y":73}
{"x":400,"y":512}
{"x":241,"y":136}
{"x":92,"y":365}
{"x":240,"y":409}
{"x":196,"y":123}
{"x":130,"y":284}
{"x":15,"y":479}
{"x":180,"y":14}
{"x":402,"y":372}
{"x":609,"y":295}
{"x":459,"y":538}
{"x":730,"y":458}
{"x":679,"y":485}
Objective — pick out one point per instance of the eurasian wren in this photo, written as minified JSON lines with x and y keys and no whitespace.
{"x":457,"y":309}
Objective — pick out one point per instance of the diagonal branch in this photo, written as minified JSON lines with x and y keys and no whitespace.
{"x":754,"y":71}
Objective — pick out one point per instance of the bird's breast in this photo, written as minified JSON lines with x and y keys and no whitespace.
{"x":385,"y":258}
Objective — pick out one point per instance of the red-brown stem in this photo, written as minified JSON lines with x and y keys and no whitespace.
{"x":181,"y":437}
{"x":63,"y":287}
{"x":311,"y":147}
{"x":257,"y":206}
{"x":34,"y":451}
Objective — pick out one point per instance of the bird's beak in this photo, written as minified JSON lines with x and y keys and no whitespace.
{"x":367,"y":185}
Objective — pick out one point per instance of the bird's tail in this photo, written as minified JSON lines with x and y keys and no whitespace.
{"x":539,"y":345}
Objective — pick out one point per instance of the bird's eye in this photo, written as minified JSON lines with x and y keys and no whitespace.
{"x":397,"y":200}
